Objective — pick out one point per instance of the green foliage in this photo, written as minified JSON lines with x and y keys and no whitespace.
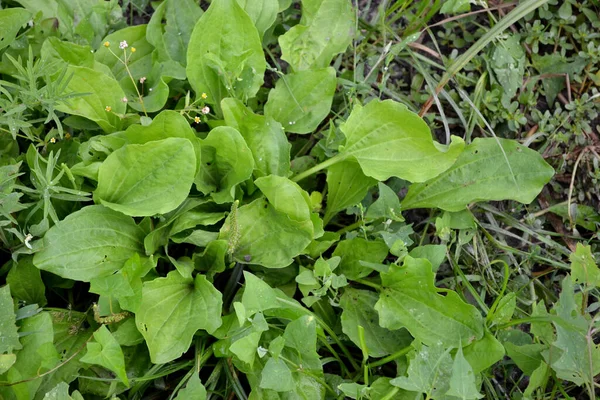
{"x":198,"y":222}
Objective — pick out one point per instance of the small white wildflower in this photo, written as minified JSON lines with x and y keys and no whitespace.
{"x":27,"y":240}
{"x":142,"y":79}
{"x":124,"y":100}
{"x":123,"y":45}
{"x":205,"y":110}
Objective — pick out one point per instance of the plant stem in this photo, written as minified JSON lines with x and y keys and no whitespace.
{"x":391,"y":357}
{"x":327,"y":163}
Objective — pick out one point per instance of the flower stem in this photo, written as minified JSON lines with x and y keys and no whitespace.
{"x":325,"y":164}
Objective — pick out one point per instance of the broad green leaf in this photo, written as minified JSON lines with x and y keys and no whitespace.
{"x":112,"y":286}
{"x":262,"y":12}
{"x":276,"y":375}
{"x":147,"y":179}
{"x":165,"y":125}
{"x":245,"y":348}
{"x":580,"y":359}
{"x":410,"y":299}
{"x":538,"y":378}
{"x":527,"y":357}
{"x":286,"y":197}
{"x":9,"y":337}
{"x":325,"y":30}
{"x":389,"y":140}
{"x":172,"y":310}
{"x":386,"y":206}
{"x":97,"y":93}
{"x":106,"y":352}
{"x":258,"y":296}
{"x":346,"y":186}
{"x":488,"y":169}
{"x":6,"y":361}
{"x":127,"y":333}
{"x":434,"y":253}
{"x":484,"y":353}
{"x":462,"y":380}
{"x":583,"y":267}
{"x":226,"y":162}
{"x":58,"y":53}
{"x":358,"y":310}
{"x":26,"y":283}
{"x":353,"y":251}
{"x":225,"y":56}
{"x":301,"y":335}
{"x":505,"y":309}
{"x":11,"y":21}
{"x":301,"y":100}
{"x":70,"y":337}
{"x":37,"y":356}
{"x":193,"y":389}
{"x":171,"y":38}
{"x":270,"y":233}
{"x":92,"y":242}
{"x":428,"y":372}
{"x":264,"y":136}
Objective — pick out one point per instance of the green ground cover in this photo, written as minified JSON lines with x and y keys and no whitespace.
{"x":318,"y":199}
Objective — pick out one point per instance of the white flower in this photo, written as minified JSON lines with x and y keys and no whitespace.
{"x":124,"y":100}
{"x":205,"y":110}
{"x":27,"y":240}
{"x":123,"y":45}
{"x":142,"y":79}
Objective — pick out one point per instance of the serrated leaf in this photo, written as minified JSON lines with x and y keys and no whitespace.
{"x":410,"y":299}
{"x":172,"y":310}
{"x":358,"y":310}
{"x":147,"y":179}
{"x":488,"y":169}
{"x":301,"y":100}
{"x":389,"y":140}
{"x":92,"y":242}
{"x":106,"y":352}
{"x":225,"y":54}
